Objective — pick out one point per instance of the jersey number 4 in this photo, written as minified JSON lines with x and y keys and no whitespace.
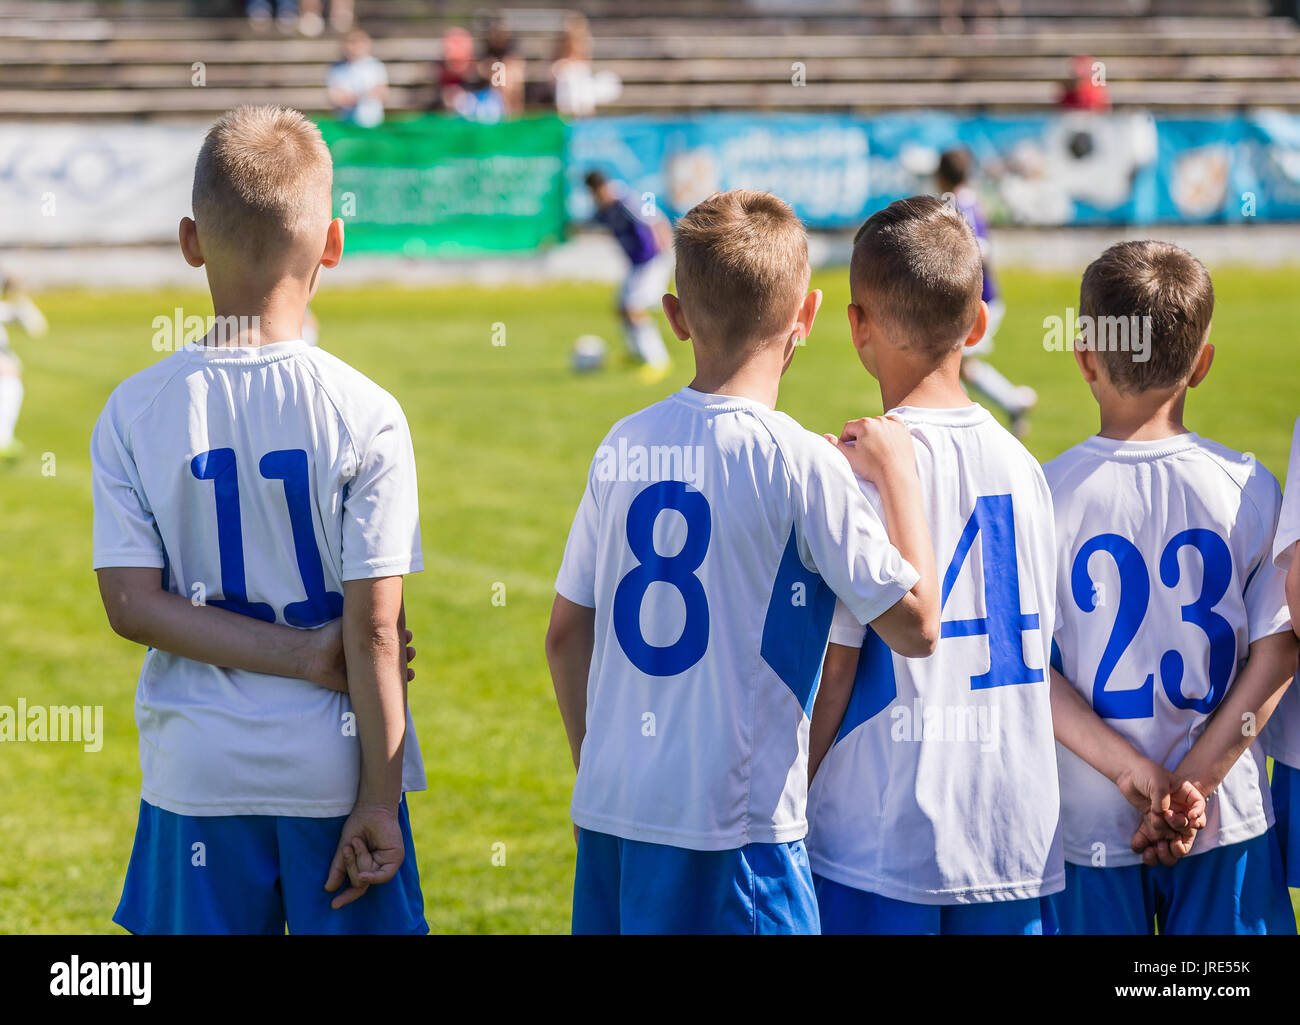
{"x":290,"y":467}
{"x":993,"y":525}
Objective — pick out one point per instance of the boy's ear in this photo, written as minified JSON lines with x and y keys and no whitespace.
{"x":812,"y":302}
{"x":979,"y":327}
{"x":1087,"y":360}
{"x":1203,"y":364}
{"x":673,"y":311}
{"x":333,"y":244}
{"x":189,"y":236}
{"x":857,"y":326}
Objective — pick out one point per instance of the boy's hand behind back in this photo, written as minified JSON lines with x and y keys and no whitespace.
{"x":369,"y":853}
{"x":877,"y":447}
{"x":329,"y":668}
{"x":1169,"y":825}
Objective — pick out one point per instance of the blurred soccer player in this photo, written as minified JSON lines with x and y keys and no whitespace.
{"x":934,"y":805}
{"x":15,"y":308}
{"x":646,"y":238}
{"x":1281,"y":738}
{"x":1172,"y":631}
{"x":246,"y":485}
{"x":695,"y":598}
{"x":952,"y":178}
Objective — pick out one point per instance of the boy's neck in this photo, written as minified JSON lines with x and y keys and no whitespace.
{"x":1143,"y":417}
{"x":757,"y":378}
{"x":254,"y":320}
{"x":905,"y":383}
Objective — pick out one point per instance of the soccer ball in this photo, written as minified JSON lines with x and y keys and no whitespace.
{"x":589,"y":353}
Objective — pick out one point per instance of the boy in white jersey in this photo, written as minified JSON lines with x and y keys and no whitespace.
{"x":696,"y":595}
{"x":1171,"y":624}
{"x":244,"y":486}
{"x":934,"y":805}
{"x":1282,"y":738}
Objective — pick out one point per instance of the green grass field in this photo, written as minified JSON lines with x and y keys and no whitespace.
{"x":503,"y":435}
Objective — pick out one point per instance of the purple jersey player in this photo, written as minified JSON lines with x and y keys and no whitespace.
{"x":644,"y":236}
{"x":1015,"y":400}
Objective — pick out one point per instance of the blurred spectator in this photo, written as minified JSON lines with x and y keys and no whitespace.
{"x":312,"y":24}
{"x":503,"y":67}
{"x":1087,"y":89}
{"x":462,"y":87}
{"x":358,"y":83}
{"x":260,"y":13}
{"x":304,"y":15}
{"x":578,"y":89}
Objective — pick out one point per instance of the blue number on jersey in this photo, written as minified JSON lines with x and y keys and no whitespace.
{"x":290,"y":466}
{"x":1216,"y":563}
{"x":993,"y":523}
{"x":1134,"y":598}
{"x":321,"y":606}
{"x":678,"y":570}
{"x":218,"y":466}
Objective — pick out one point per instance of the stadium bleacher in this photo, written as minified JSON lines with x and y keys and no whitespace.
{"x":134,"y":58}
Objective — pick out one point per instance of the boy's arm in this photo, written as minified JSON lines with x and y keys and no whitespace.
{"x":569,"y":642}
{"x":370,"y":848}
{"x":1293,"y":590}
{"x":1145,"y":784}
{"x":141,"y":611}
{"x":880,"y":450}
{"x":838,"y":673}
{"x":1250,"y":702}
{"x":1234,"y":725}
{"x":663,"y":232}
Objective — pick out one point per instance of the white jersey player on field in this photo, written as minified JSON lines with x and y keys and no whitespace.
{"x":251,"y":490}
{"x":934,"y":804}
{"x":696,"y":595}
{"x":1171,"y":626}
{"x":16,"y":307}
{"x":1281,"y":738}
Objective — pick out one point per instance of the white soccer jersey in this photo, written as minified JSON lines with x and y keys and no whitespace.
{"x":257,"y":480}
{"x":941,"y":786}
{"x":712,"y":539}
{"x":1281,"y":737}
{"x":1166,"y":578}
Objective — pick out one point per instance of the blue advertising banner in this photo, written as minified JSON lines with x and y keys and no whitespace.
{"x":1046,"y":169}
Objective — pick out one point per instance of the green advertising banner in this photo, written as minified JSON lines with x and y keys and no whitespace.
{"x":439,"y":185}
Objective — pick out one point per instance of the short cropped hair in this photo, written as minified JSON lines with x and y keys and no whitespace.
{"x":262,"y":181}
{"x":742,"y":267}
{"x":1156,"y":280}
{"x":917,"y":267}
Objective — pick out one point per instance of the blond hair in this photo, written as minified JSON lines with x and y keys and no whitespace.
{"x":742,"y":267}
{"x":262,"y":182}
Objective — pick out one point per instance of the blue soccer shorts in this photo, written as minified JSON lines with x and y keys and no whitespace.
{"x":1236,"y":889}
{"x":242,"y":874}
{"x":1286,"y":809}
{"x":848,"y":911}
{"x":627,"y":886}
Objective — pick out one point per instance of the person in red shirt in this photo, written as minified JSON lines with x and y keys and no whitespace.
{"x":1087,"y":90}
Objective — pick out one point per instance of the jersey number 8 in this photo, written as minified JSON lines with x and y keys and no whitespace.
{"x":677,"y":570}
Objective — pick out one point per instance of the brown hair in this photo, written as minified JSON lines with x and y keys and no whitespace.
{"x":742,"y":267}
{"x":916,"y":265}
{"x":262,"y":181}
{"x":1155,"y":280}
{"x":954,"y":167}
